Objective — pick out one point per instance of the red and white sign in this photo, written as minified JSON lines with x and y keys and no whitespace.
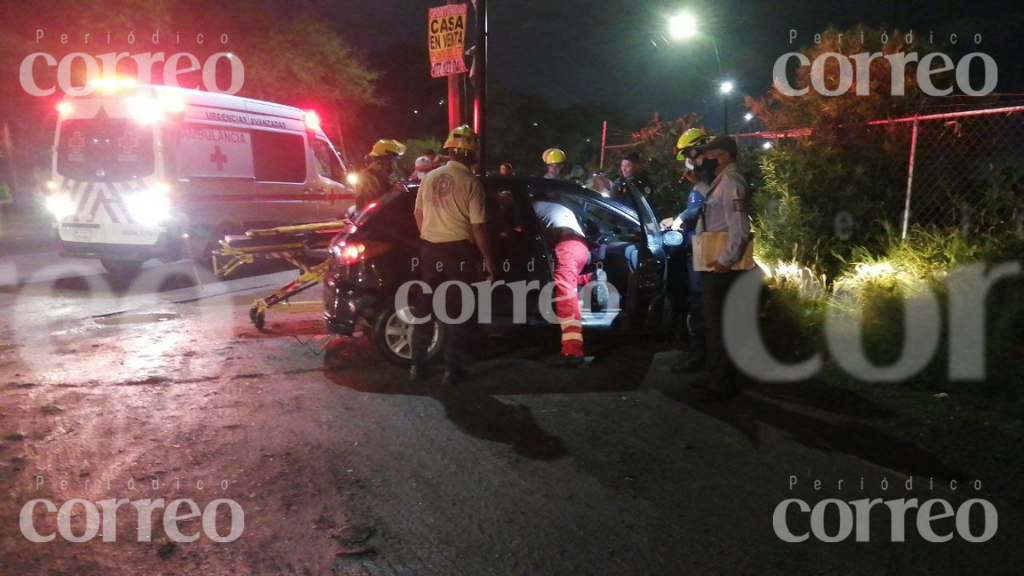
{"x":208,"y":151}
{"x":446,"y":30}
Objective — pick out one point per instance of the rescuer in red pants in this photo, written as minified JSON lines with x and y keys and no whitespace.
{"x":571,"y":252}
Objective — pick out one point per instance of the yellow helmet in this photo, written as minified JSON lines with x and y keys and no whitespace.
{"x":387,"y":147}
{"x":690,"y":138}
{"x":463,"y":138}
{"x":553,"y":156}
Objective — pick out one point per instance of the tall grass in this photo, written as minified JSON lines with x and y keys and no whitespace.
{"x":875,"y":287}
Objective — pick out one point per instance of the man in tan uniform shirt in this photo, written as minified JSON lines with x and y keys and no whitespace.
{"x":450,"y":213}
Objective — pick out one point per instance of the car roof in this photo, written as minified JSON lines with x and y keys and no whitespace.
{"x":492,"y":183}
{"x":522,"y":185}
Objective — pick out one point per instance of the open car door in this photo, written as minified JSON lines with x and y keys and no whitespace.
{"x":645,"y":300}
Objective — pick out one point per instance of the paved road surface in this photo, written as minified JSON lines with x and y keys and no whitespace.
{"x":342,"y":467}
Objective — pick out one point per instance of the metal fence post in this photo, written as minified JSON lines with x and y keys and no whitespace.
{"x":910,"y":180}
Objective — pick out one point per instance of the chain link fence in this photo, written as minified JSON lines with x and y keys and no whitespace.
{"x":968,"y":171}
{"x":961,"y":171}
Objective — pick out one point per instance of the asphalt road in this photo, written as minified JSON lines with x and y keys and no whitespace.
{"x":342,"y":467}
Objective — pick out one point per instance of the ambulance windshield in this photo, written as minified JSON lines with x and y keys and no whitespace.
{"x":105,"y":150}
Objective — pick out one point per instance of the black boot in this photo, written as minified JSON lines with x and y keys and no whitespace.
{"x":565,"y":361}
{"x":690,"y":365}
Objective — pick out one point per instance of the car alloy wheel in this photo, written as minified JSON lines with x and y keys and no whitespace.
{"x":393,"y":337}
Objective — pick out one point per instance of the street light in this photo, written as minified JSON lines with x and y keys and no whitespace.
{"x":748,"y":116}
{"x":682,"y":26}
{"x":725,"y":88}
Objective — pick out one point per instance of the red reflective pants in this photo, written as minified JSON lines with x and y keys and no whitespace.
{"x":571,"y":256}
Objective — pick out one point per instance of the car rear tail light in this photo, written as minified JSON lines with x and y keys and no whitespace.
{"x":358,"y":251}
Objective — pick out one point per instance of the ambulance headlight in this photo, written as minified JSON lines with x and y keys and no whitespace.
{"x":150,"y":207}
{"x":60,"y":206}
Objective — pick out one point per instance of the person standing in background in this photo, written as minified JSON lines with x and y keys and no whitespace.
{"x":554,"y":160}
{"x":375,"y":180}
{"x":421,"y":167}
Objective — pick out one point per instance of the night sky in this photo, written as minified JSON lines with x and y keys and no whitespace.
{"x":601,"y":51}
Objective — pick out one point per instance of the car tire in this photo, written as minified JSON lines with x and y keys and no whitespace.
{"x":393,"y":338}
{"x":122,"y":269}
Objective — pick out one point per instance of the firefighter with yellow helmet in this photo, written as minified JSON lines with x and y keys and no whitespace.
{"x":554,"y":159}
{"x":684,"y":283}
{"x":450,"y":213}
{"x":375,"y":180}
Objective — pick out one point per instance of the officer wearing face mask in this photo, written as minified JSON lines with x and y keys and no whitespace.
{"x":722,"y":252}
{"x":684,"y":282}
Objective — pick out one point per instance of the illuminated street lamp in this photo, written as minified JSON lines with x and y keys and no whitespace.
{"x":726,"y":87}
{"x":748,"y":116}
{"x":682,"y":26}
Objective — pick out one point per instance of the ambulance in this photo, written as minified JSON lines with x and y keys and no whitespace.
{"x":142,"y":172}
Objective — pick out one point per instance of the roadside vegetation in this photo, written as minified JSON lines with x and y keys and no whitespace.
{"x":827,"y":210}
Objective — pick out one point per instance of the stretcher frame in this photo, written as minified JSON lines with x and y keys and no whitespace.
{"x":295,"y":242}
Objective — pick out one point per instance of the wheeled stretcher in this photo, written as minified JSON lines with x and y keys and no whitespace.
{"x":296,"y":245}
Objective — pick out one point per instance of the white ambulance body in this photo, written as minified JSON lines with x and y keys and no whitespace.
{"x":160,"y":172}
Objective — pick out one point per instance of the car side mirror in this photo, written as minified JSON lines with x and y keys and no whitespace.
{"x":672,"y":238}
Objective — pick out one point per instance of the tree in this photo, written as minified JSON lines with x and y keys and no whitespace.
{"x":776,"y":111}
{"x":819,"y":196}
{"x":290,"y":58}
{"x":28,"y":121}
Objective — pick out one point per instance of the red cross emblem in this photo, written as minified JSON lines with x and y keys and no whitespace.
{"x":128,"y":142}
{"x":218,"y":158}
{"x":76,"y":142}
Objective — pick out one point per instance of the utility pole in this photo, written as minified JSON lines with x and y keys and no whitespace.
{"x":480,"y":103}
{"x":725,"y":114}
{"x":454,"y":94}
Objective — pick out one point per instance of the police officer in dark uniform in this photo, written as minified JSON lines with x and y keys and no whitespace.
{"x":631,"y":178}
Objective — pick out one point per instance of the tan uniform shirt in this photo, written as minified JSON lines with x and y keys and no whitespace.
{"x":451,"y":199}
{"x":727,"y":210}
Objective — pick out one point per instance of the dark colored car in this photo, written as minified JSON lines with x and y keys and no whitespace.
{"x":379,"y":253}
